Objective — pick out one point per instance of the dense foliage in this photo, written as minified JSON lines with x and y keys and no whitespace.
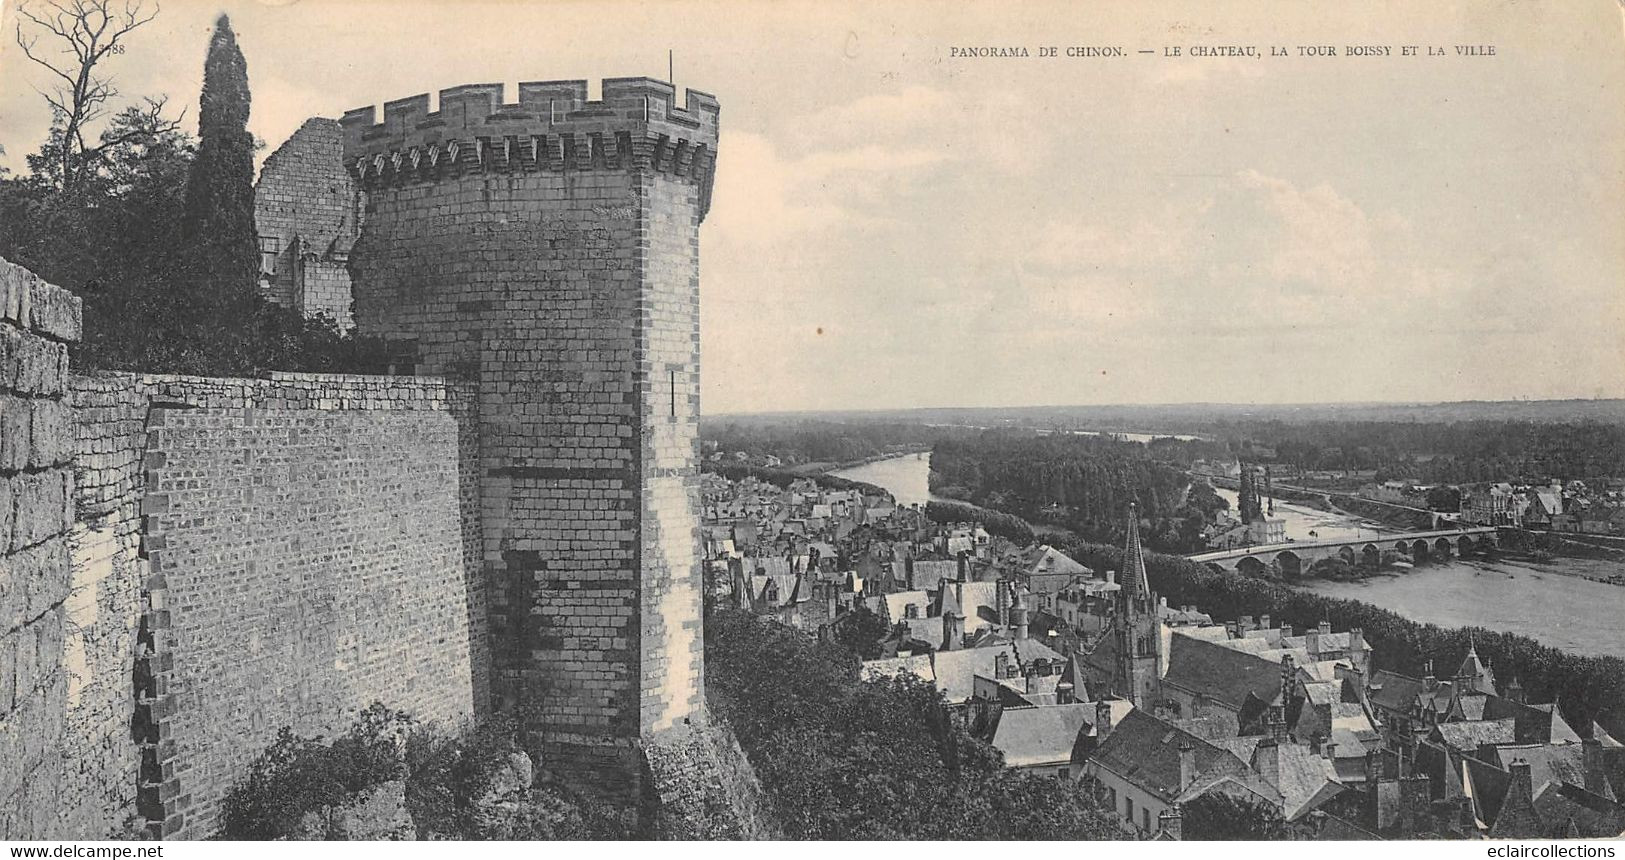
{"x":449,"y":779}
{"x":1084,"y":483}
{"x":1587,"y":688}
{"x":1216,"y":816}
{"x":997,"y":523}
{"x":840,"y":758}
{"x":158,"y":256}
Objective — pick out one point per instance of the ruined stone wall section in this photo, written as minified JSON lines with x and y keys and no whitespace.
{"x":37,"y":790}
{"x":305,"y":202}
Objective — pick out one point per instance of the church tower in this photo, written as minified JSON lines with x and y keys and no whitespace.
{"x":1138,"y":629}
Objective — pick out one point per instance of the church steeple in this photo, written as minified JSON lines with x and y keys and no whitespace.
{"x":1474,"y":674}
{"x":1135,"y":584}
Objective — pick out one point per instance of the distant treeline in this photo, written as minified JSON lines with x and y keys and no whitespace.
{"x":1084,"y":483}
{"x":997,"y":523}
{"x":810,"y":441}
{"x":782,"y":479}
{"x":1587,"y":688}
{"x":1452,"y":453}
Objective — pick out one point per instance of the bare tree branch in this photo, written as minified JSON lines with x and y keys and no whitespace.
{"x":86,"y":31}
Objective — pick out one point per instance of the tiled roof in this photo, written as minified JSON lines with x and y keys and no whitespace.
{"x":1393,"y":691}
{"x":1037,"y":736}
{"x":1592,"y":816}
{"x":956,"y":670}
{"x":919,"y":664}
{"x":1547,"y":762}
{"x":1145,"y":751}
{"x":1468,"y":735}
{"x":928,"y":575}
{"x":898,"y":601}
{"x":1304,"y":777}
{"x":1221,"y":674}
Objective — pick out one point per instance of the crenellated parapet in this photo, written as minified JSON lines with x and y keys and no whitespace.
{"x":636,"y":125}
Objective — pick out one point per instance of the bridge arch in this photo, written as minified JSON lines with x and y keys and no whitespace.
{"x":1289,"y":563}
{"x":1403,"y":549}
{"x":1442,"y":548}
{"x":1217,"y":567}
{"x":1249,"y":565}
{"x":1370,"y":556}
{"x":1465,"y":546}
{"x":1346,"y":553}
{"x":1420,"y":554}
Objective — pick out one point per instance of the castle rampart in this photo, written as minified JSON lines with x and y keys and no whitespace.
{"x":547,"y":251}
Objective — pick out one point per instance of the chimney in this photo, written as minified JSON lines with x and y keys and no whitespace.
{"x":1267,"y":760}
{"x":1263,"y":622}
{"x":1001,"y":592}
{"x":1596,"y":781}
{"x":1325,"y":628}
{"x":1247,"y":623}
{"x":1111,"y":577}
{"x":1329,"y":749}
{"x":1187,"y":763}
{"x":964,"y":566}
{"x":1521,"y":778}
{"x":1286,"y":631}
{"x":1001,"y":665}
{"x":1063,"y":694}
{"x":1428,"y":681}
{"x":953,"y":631}
{"x":1172,"y":822}
{"x":1356,"y":639}
{"x":1018,"y":618}
{"x":1103,"y":721}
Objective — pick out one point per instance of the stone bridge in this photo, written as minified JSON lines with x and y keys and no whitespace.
{"x":1293,"y":558}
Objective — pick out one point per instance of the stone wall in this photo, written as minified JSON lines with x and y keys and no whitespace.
{"x":702,"y":786}
{"x":37,"y":782}
{"x":549,"y":250}
{"x":305,"y":556}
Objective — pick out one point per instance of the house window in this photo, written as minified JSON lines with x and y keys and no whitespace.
{"x":1128,"y":809}
{"x":1145,"y":819}
{"x":1064,"y":773}
{"x":270,"y":250}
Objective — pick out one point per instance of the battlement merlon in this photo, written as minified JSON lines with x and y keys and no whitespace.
{"x":552,"y":127}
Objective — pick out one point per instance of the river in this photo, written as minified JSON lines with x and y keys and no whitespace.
{"x":906,"y":477}
{"x":1534,"y":600}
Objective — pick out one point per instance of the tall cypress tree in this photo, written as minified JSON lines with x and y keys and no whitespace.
{"x":218,"y":225}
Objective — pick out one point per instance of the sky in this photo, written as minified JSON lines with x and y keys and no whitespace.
{"x":896,"y":226}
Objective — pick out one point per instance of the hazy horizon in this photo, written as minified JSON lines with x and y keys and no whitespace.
{"x":894,"y":226}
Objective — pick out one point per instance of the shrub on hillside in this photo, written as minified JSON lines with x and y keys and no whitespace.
{"x":843,"y":758}
{"x":389,"y":776}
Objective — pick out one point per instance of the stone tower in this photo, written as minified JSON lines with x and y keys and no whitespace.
{"x":549,"y":250}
